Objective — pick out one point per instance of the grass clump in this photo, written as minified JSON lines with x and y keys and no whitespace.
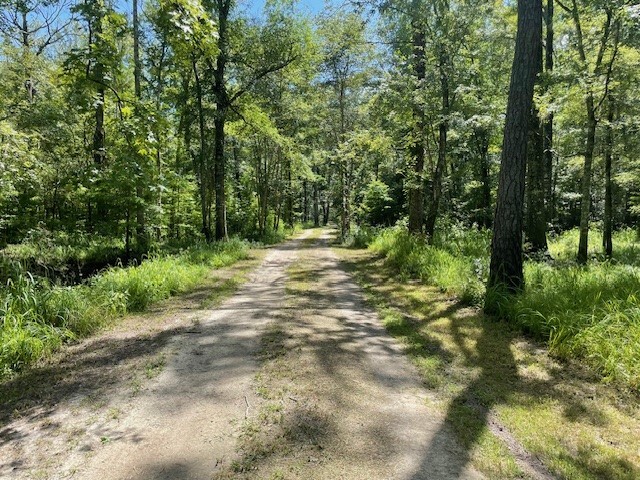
{"x":589,"y":312}
{"x":38,"y":317}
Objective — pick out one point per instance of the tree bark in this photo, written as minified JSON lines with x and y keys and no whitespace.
{"x":305,"y":201}
{"x":444,"y":67}
{"x":592,"y":123}
{"x":220,"y":119}
{"x":316,"y":205}
{"x":607,"y":237}
{"x":506,"y":270}
{"x":585,"y":205}
{"x":137,"y":74}
{"x":482,"y":143}
{"x":202,"y":171}
{"x":536,"y":231}
{"x":547,"y":124}
{"x":416,"y":172}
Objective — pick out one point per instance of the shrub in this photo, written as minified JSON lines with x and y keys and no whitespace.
{"x":377,"y":204}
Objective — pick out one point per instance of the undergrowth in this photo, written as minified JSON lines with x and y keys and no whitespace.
{"x":38,"y":317}
{"x":588,"y":312}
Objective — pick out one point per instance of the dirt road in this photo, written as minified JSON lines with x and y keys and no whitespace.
{"x":291,"y":377}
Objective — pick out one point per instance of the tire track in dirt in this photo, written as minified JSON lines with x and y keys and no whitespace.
{"x":184,"y":426}
{"x":340,"y":398}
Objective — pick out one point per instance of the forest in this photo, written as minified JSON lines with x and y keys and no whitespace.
{"x":490,"y":149}
{"x":131,"y":131}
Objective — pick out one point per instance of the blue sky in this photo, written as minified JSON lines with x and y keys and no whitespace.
{"x":254,"y":7}
{"x":312,"y":7}
{"x":307,"y":6}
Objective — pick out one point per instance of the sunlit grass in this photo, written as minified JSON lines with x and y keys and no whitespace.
{"x":589,"y":312}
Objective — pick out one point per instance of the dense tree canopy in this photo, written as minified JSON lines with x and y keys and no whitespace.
{"x":202,"y":118}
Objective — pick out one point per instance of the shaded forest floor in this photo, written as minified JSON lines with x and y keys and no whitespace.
{"x":280,"y":367}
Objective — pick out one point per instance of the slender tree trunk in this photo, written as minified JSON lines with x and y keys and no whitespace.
{"x":506,"y":271}
{"x":444,"y":61}
{"x":592,"y":123}
{"x":127,"y":235}
{"x":202,"y":170}
{"x":222,"y":107}
{"x":482,"y":141}
{"x":99,"y":145}
{"x":141,"y":239}
{"x":305,"y":202}
{"x":99,"y":151}
{"x":316,"y":205}
{"x":547,"y":124}
{"x":345,"y":213}
{"x":585,"y":205}
{"x":607,"y":239}
{"x":536,"y":231}
{"x":289,"y":195}
{"x":236,"y":171}
{"x":325,"y":212}
{"x":416,"y":172}
{"x":137,"y":69}
{"x":26,"y":44}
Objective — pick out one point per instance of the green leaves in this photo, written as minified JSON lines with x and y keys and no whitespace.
{"x":189,"y":27}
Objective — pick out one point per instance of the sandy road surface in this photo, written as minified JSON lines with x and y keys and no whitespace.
{"x":186,"y":422}
{"x":185,"y":426}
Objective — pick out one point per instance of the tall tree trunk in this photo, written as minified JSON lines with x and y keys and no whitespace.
{"x":441,"y":12}
{"x":222,"y":107}
{"x":26,"y":44}
{"x":345,"y":213}
{"x":186,"y":119}
{"x":536,"y":231}
{"x":137,"y":66}
{"x":607,"y":239}
{"x":202,"y":171}
{"x":236,"y":171}
{"x":416,"y":172}
{"x":288,"y":195}
{"x":547,"y":124}
{"x":536,"y":226}
{"x":305,"y":201}
{"x":585,"y":205}
{"x":99,"y":151}
{"x":592,"y":123}
{"x":99,"y":136}
{"x":482,"y":142}
{"x":316,"y":204}
{"x":141,"y":238}
{"x":325,"y":211}
{"x":506,"y":271}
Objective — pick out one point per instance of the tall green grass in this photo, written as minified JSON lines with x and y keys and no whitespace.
{"x":38,"y":317}
{"x":457,"y":264}
{"x":587,"y":312}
